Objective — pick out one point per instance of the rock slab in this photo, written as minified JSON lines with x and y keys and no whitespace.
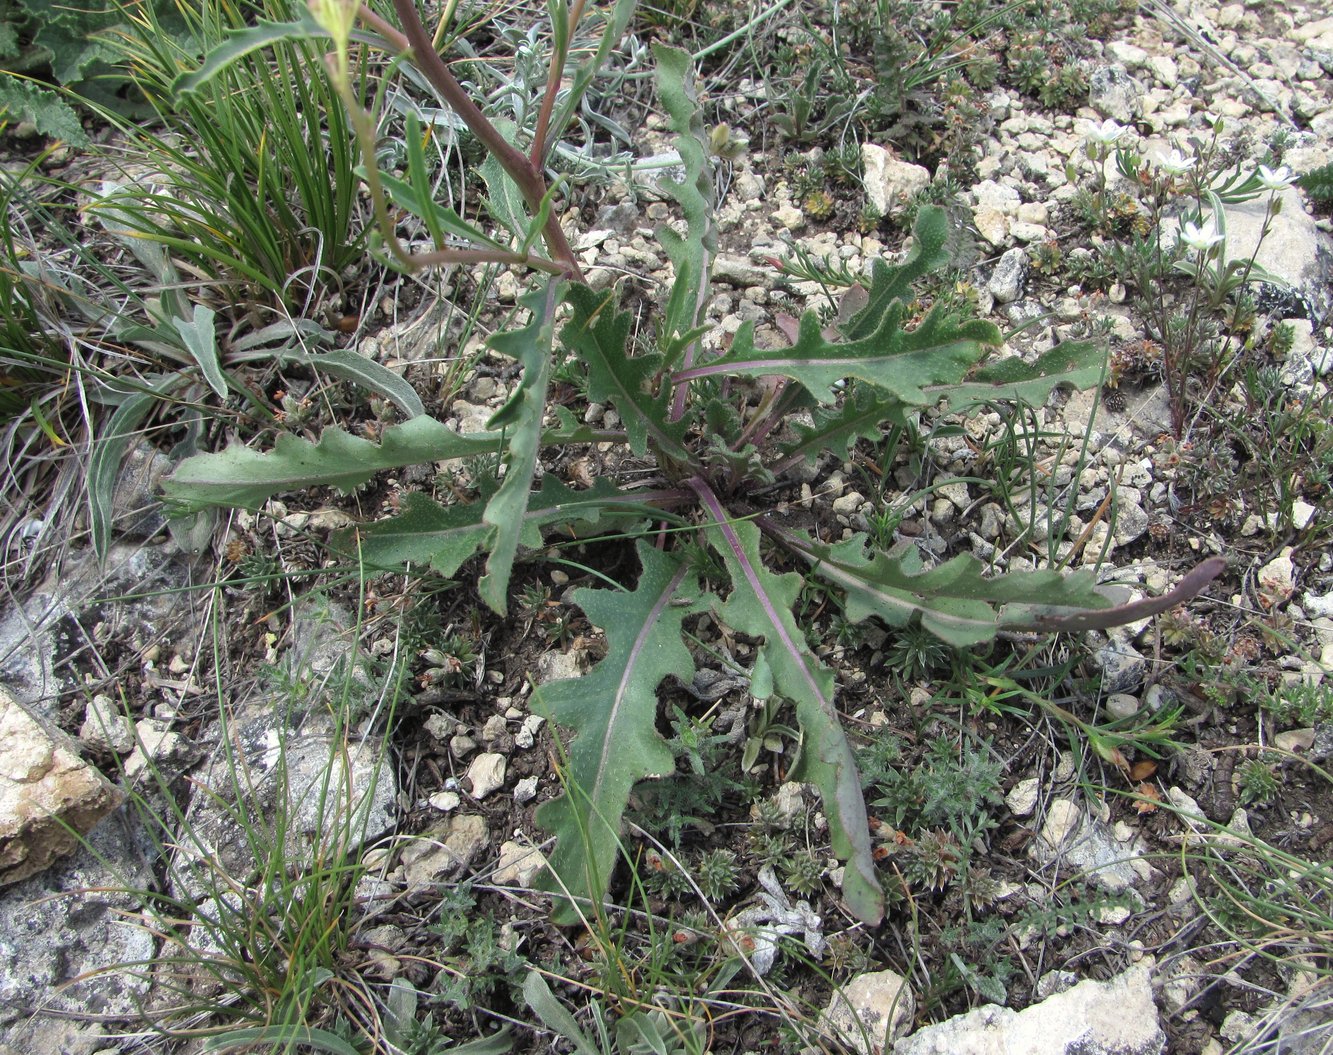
{"x":70,"y":937}
{"x":871,"y":1011}
{"x":49,"y":796}
{"x":1115,"y":1017}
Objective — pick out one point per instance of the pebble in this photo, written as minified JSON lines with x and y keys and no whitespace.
{"x":1121,"y":705}
{"x":487,"y":774}
{"x":1022,"y":798}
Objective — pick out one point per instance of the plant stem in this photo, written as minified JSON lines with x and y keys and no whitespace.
{"x":526,"y":176}
{"x":554,"y":75}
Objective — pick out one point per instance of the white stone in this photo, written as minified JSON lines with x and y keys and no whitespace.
{"x":1131,"y":55}
{"x":527,"y":732}
{"x":518,"y":865}
{"x":997,"y":196}
{"x":871,"y":1012}
{"x":1034,"y":212}
{"x":49,"y":796}
{"x":1294,"y":740}
{"x":1079,"y":843}
{"x":105,"y":728}
{"x":487,"y":774}
{"x":525,"y":790}
{"x":790,"y":217}
{"x":1165,"y":69}
{"x":1276,"y":580}
{"x":1122,"y":705}
{"x":890,"y":183}
{"x":444,"y":849}
{"x":991,"y":224}
{"x":1093,"y":1018}
{"x":1022,"y":797}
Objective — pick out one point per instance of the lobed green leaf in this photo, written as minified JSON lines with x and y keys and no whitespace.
{"x":612,"y":711}
{"x":521,"y":418}
{"x":242,"y":477}
{"x":1079,"y":364}
{"x":955,"y":601}
{"x":599,"y":335}
{"x":890,"y":283}
{"x":692,"y":254}
{"x":761,"y":603}
{"x":902,"y":363}
{"x":425,"y":532}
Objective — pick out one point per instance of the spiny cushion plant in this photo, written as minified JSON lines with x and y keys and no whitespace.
{"x":718,"y":428}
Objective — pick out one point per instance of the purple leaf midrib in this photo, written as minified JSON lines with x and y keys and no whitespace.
{"x":719,"y":515}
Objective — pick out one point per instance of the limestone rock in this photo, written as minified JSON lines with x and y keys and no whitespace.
{"x":76,"y":918}
{"x":890,"y":183}
{"x":136,"y":511}
{"x":1113,"y":93}
{"x":871,"y":1012}
{"x":444,"y":849}
{"x":304,"y":782}
{"x":1115,"y":1017}
{"x":487,"y":773}
{"x":518,"y":865}
{"x":1294,"y":251}
{"x":1006,"y":282}
{"x":1079,"y":843}
{"x":46,"y":790}
{"x":1122,"y":666}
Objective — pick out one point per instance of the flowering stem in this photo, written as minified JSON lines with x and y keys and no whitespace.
{"x":526,"y":176}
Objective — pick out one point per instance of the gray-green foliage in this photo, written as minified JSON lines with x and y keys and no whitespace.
{"x":72,"y":44}
{"x":711,"y":444}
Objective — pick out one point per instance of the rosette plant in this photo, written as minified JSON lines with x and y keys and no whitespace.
{"x":720,"y":430}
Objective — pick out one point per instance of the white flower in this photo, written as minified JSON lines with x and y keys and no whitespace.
{"x":1106,"y":133}
{"x":1276,"y":179}
{"x":1175,"y":163}
{"x":1200,"y":238}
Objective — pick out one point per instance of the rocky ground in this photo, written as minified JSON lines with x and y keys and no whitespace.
{"x":1101,"y":910}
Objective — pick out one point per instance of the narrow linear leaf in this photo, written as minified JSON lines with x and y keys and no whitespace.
{"x":521,"y":417}
{"x":242,"y":477}
{"x":954,"y":600}
{"x":503,"y":199}
{"x":599,"y":335}
{"x":761,"y":603}
{"x":279,"y":1038}
{"x":495,"y":1044}
{"x":612,"y":711}
{"x":104,"y":464}
{"x":421,"y":202}
{"x":617,"y":22}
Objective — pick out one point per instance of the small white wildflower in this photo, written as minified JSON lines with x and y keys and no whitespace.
{"x":1175,"y":163}
{"x":1106,"y":133}
{"x":1200,"y":238}
{"x":1276,"y":179}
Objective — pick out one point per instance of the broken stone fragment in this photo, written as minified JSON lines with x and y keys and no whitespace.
{"x":49,"y":796}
